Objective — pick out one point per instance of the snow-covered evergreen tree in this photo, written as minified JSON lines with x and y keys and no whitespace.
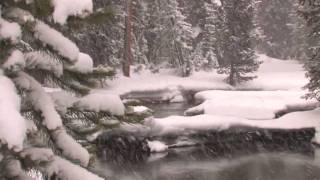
{"x":239,"y":57}
{"x":39,"y":129}
{"x":140,"y":47}
{"x":182,"y":38}
{"x":103,"y":38}
{"x":310,"y":11}
{"x":278,"y":22}
{"x":169,"y":36}
{"x":213,"y":34}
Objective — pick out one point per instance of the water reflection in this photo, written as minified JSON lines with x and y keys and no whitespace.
{"x":163,"y":110}
{"x":262,"y":166}
{"x":200,"y":163}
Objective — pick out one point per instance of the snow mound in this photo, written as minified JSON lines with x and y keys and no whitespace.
{"x":276,"y":74}
{"x":180,"y":124}
{"x":273,"y":74}
{"x":140,"y":109}
{"x":102,"y":102}
{"x":10,"y":118}
{"x":248,"y":104}
{"x":167,"y":82}
{"x":65,"y":8}
{"x":157,"y":146}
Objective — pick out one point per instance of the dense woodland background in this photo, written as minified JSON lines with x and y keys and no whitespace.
{"x":38,"y":50}
{"x":277,"y":31}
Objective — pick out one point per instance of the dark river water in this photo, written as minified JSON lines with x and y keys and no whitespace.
{"x":261,"y":166}
{"x":195,"y":163}
{"x":169,"y":109}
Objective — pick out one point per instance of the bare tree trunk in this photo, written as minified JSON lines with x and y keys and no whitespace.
{"x":127,"y":54}
{"x":232,"y":75}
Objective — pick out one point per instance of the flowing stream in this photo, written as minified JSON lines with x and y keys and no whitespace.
{"x":195,"y":163}
{"x":169,"y":109}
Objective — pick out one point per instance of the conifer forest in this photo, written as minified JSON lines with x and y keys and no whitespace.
{"x":159,"y":89}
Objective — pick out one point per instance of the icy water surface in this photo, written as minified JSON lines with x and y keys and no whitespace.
{"x":198,"y":163}
{"x":262,"y":166}
{"x":169,"y":109}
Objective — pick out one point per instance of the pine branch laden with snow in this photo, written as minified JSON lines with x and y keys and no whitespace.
{"x":70,"y":148}
{"x":40,"y":100}
{"x":102,"y":102}
{"x":44,"y":61}
{"x":37,"y":54}
{"x":56,"y":166}
{"x":15,"y":61}
{"x":63,"y":169}
{"x":51,"y":119}
{"x":65,"y":8}
{"x":83,"y":65}
{"x":57,"y":41}
{"x":9,"y":30}
{"x":13,"y":170}
{"x":10,"y":117}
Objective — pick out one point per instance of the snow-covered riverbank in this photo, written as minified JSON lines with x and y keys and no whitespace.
{"x":258,"y":103}
{"x":273,"y":74}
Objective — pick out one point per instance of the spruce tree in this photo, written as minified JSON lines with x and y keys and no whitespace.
{"x":239,"y":57}
{"x":140,"y":46}
{"x":213,"y":35}
{"x":310,"y":11}
{"x":278,"y":21}
{"x":38,"y":130}
{"x":169,"y":36}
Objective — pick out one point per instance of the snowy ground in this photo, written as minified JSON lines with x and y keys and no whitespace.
{"x":255,"y":104}
{"x":273,"y":74}
{"x":179,"y":124}
{"x":278,"y":88}
{"x":165,"y":85}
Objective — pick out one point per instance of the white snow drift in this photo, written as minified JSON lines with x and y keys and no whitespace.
{"x":273,"y":75}
{"x":248,"y":104}
{"x":180,"y":124}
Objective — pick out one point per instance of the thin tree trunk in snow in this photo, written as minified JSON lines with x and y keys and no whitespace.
{"x":127,"y":56}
